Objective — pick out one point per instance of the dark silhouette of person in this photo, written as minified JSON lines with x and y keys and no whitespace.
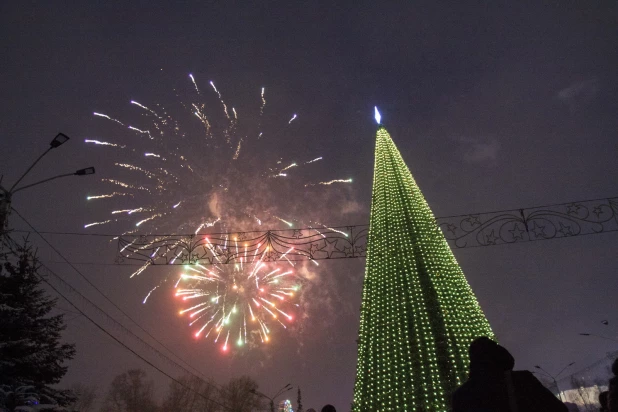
{"x":329,"y":408}
{"x":603,"y":401}
{"x":493,"y":386}
{"x":612,"y":396}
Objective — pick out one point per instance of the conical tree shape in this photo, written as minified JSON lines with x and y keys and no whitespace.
{"x":419,"y":313}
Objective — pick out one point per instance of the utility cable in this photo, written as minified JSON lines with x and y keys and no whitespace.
{"x":104,"y":296}
{"x":115,"y":338}
{"x":276,"y":230}
{"x":124,"y":313}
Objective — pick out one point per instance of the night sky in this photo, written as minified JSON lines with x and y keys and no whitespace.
{"x":493,"y":106}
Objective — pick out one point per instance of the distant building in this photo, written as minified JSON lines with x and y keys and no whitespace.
{"x":583,"y":387}
{"x":584,"y":397}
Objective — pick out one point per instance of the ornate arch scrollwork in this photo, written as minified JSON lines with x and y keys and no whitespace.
{"x":539,"y":223}
{"x":223,"y":248}
{"x":464,"y":231}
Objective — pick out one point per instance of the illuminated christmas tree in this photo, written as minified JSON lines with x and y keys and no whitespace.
{"x":419,"y":313}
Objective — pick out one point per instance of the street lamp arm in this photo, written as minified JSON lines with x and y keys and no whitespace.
{"x":555,"y":378}
{"x":283,"y":391}
{"x":40,"y":182}
{"x":544,"y":372}
{"x":80,"y":172}
{"x":563,"y":369}
{"x":272,"y":400}
{"x":29,"y":169}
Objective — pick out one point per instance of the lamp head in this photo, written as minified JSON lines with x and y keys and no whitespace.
{"x":59,"y":140}
{"x":86,"y":171}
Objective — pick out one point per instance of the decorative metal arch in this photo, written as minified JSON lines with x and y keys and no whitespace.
{"x":464,"y":231}
{"x":538,"y":223}
{"x":269,"y":246}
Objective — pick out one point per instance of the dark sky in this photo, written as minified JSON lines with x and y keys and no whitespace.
{"x":494,"y":106}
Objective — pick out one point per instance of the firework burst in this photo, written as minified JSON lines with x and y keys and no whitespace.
{"x":238,"y":304}
{"x":215,"y":171}
{"x":198,"y":166}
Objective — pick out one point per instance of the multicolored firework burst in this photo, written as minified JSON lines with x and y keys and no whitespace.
{"x":238,"y":303}
{"x":194,"y":166}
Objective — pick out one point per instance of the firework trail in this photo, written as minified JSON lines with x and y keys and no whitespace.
{"x":195,"y":84}
{"x":196,"y":168}
{"x":330,"y":182}
{"x":186,"y":179}
{"x":263,"y":102}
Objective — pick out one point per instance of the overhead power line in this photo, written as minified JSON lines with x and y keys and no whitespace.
{"x":344,"y":242}
{"x":441,"y":218}
{"x":102,"y":329}
{"x":101,"y":311}
{"x":553,"y":221}
{"x":104,"y":296}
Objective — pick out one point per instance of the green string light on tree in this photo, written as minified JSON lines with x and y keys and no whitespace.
{"x":418,"y":314}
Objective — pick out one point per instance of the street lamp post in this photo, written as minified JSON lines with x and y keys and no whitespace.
{"x":7,"y":195}
{"x":272,"y":399}
{"x":555,"y":378}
